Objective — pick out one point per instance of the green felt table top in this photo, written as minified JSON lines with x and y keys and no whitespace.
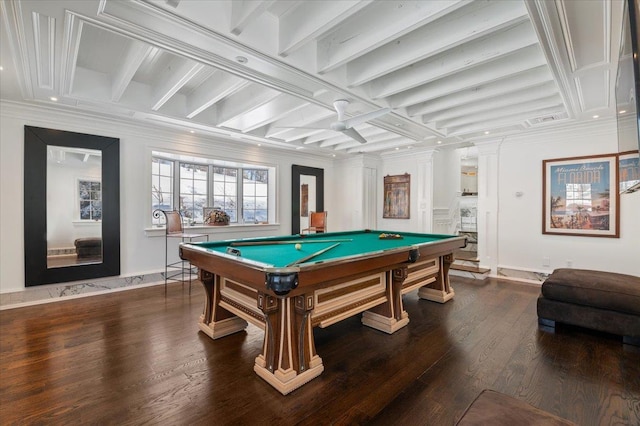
{"x":348,"y":244}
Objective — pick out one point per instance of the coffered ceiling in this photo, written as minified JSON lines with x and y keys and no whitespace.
{"x":269,"y":71}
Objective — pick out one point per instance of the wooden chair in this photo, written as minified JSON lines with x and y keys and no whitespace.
{"x":317,"y":223}
{"x":174,"y":228}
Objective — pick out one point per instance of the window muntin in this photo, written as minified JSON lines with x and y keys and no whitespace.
{"x":161,"y":186}
{"x":255,"y":195}
{"x":225,"y":191}
{"x":90,"y":195}
{"x":193,"y":190}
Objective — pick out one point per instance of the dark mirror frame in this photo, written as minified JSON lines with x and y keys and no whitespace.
{"x":296,"y":172}
{"x":36,"y":140}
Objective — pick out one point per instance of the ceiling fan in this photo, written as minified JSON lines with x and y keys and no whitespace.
{"x":346,"y":125}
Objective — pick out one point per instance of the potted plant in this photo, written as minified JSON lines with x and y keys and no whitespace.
{"x":217,"y":217}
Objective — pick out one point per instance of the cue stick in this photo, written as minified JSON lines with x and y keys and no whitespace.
{"x":268,"y":243}
{"x":311,"y":256}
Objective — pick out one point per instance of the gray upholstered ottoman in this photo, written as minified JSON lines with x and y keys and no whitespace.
{"x":88,"y":247}
{"x":493,"y":408}
{"x":602,"y":301}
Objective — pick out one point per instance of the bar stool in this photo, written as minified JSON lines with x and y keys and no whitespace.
{"x":174,"y":229}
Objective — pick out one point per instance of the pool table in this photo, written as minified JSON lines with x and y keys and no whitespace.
{"x":287,"y":285}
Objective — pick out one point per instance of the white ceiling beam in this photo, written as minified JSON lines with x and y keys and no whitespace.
{"x":366,"y":132}
{"x":133,"y":58}
{"x":455,"y":30}
{"x":463,"y":57}
{"x":512,"y":108}
{"x":44,"y":36}
{"x":508,"y":120}
{"x":522,"y":60}
{"x":219,"y":86}
{"x":489,"y":103}
{"x":243,"y":12}
{"x":376,"y":25}
{"x":310,"y":113}
{"x":178,"y":78}
{"x":380,"y":137}
{"x":243,"y":101}
{"x":389,"y":144}
{"x":269,"y":112}
{"x":310,"y":20}
{"x":529,"y":78}
{"x":321,"y":136}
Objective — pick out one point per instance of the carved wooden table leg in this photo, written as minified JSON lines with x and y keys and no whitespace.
{"x":440,"y":290}
{"x":288,"y":358}
{"x":389,"y":316}
{"x":215,"y":321}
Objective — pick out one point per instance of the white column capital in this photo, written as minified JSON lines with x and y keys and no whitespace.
{"x":488,"y":147}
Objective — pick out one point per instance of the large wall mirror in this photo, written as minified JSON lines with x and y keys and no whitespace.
{"x":71,"y":206}
{"x":307,"y":194}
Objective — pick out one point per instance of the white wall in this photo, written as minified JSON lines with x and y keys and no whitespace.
{"x":521,"y":244}
{"x":419,"y":164}
{"x":446,"y":175}
{"x":142,"y":251}
{"x":353,"y":208}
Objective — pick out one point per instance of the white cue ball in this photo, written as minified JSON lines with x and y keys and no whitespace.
{"x":298,"y":246}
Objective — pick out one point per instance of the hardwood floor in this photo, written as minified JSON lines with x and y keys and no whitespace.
{"x":136,"y":357}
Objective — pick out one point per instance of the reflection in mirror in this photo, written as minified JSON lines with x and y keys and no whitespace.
{"x":74,"y":200}
{"x":307,"y":199}
{"x":301,"y":175}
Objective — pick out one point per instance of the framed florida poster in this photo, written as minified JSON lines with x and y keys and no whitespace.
{"x":580,"y":196}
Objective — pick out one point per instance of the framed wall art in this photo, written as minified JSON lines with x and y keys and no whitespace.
{"x":304,"y":200}
{"x":396,"y":196}
{"x":580,"y":196}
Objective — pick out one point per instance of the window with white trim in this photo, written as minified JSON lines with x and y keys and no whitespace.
{"x":193,"y":190}
{"x":246,"y":192}
{"x":90,"y":196}
{"x":162,"y":184}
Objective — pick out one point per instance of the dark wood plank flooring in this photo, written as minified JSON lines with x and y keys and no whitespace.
{"x":136,"y":357}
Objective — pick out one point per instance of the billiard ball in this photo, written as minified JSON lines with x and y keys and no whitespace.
{"x":298,"y":246}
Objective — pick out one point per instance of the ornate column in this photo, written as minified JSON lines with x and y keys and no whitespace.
{"x":488,"y":186}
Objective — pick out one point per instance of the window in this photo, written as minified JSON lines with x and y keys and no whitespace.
{"x":193,"y":190}
{"x":90,"y":195}
{"x":161,"y":185}
{"x":255,"y":194}
{"x":225,"y":191}
{"x":245,"y":192}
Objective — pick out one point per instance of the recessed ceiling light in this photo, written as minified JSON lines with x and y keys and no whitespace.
{"x":333,"y":155}
{"x":486,"y":133}
{"x":439,"y":142}
{"x":1,"y":68}
{"x":596,"y":116}
{"x":397,"y":148}
{"x":192,"y":131}
{"x":242,"y":59}
{"x":259,"y":144}
{"x":622,"y":111}
{"x":53,"y":98}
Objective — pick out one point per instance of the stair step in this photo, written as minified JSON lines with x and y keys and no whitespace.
{"x":468,"y":268}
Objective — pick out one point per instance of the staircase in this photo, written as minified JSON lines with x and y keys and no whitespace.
{"x":466,"y":261}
